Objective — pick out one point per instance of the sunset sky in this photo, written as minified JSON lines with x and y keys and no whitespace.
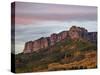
{"x":35,"y":20}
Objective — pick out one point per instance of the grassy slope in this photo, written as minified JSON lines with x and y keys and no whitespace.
{"x":63,"y":55}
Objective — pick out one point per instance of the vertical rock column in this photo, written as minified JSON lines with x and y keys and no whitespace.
{"x":78,"y":33}
{"x":53,"y":39}
{"x":40,"y":44}
{"x":28,"y":47}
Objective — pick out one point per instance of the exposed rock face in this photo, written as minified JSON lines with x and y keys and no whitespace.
{"x":77,"y":32}
{"x":40,"y":43}
{"x":58,"y":37}
{"x":92,"y":36}
{"x":32,"y":46}
{"x":61,"y":36}
{"x":74,"y":33}
{"x":28,"y":47}
{"x":53,"y":39}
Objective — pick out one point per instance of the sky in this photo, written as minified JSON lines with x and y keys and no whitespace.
{"x":35,"y":20}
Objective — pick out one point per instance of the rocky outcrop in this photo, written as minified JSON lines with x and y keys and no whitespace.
{"x":40,"y":43}
{"x":61,"y":36}
{"x":92,"y":36}
{"x":36,"y":45}
{"x":53,"y":39}
{"x":58,"y":37}
{"x":74,"y":33}
{"x":77,"y":33}
{"x":28,"y":47}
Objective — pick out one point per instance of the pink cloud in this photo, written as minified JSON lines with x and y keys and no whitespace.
{"x":23,"y":20}
{"x":30,"y":13}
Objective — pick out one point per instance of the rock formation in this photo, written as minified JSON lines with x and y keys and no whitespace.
{"x":74,"y":33}
{"x":53,"y":39}
{"x":28,"y":47}
{"x":32,"y":46}
{"x":77,"y":32}
{"x":40,"y":43}
{"x":92,"y":36}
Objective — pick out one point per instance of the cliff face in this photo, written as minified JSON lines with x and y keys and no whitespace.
{"x":58,"y":37}
{"x":32,"y":46}
{"x":77,"y":33}
{"x":74,"y":33}
{"x":28,"y":47}
{"x":92,"y":36}
{"x":39,"y":44}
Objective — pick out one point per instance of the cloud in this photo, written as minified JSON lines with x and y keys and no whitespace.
{"x":35,"y":20}
{"x":27,"y":13}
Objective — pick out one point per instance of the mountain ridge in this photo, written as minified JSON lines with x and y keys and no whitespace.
{"x":74,"y":33}
{"x":76,"y":51}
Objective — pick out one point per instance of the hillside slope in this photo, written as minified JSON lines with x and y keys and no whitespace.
{"x":64,"y":55}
